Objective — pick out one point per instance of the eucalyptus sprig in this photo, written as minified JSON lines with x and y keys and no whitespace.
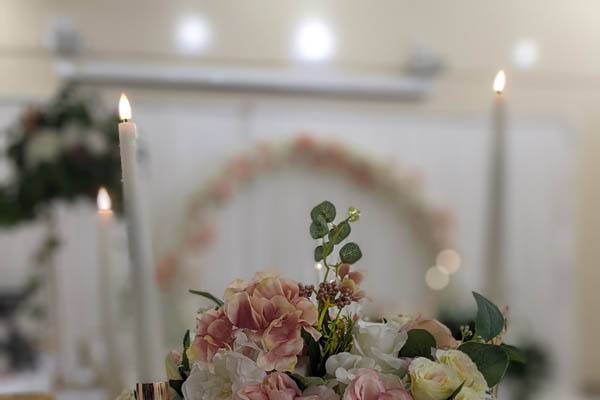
{"x":336,"y":331}
{"x":323,"y":227}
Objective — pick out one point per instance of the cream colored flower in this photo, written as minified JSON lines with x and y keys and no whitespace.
{"x":431,"y":380}
{"x":380,"y":342}
{"x":464,"y":367}
{"x":469,"y":394}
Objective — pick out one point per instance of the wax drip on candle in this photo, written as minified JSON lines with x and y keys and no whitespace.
{"x":500,"y":82}
{"x":124,"y":108}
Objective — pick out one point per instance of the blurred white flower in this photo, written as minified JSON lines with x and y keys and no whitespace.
{"x":43,"y":147}
{"x":343,"y":366}
{"x":95,"y":143}
{"x":228,"y":372}
{"x":380,"y":342}
{"x":71,"y":136}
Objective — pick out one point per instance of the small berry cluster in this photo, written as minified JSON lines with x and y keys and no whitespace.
{"x":332,"y":292}
{"x":306,"y":290}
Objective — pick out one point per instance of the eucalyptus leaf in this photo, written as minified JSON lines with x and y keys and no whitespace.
{"x":492,"y":361}
{"x":340,"y":232}
{"x":514,"y":353}
{"x":350,"y":253}
{"x":418,"y":344}
{"x":489,"y":321}
{"x":321,"y":252}
{"x":319,"y":228}
{"x":208,"y":296}
{"x":326,"y":209}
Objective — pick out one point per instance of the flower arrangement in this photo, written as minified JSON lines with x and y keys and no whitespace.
{"x":276,"y":339}
{"x":64,"y":150}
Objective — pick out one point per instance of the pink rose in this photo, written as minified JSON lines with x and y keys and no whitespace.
{"x":369,"y":385}
{"x":276,"y":386}
{"x":214,"y":331}
{"x":282,"y":343}
{"x":254,"y":306}
{"x":272,"y":312}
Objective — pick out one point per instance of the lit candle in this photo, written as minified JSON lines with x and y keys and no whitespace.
{"x":140,"y":250}
{"x":497,"y":178}
{"x":111,"y":373}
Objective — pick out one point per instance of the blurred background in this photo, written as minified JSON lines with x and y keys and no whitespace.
{"x":250,"y":113}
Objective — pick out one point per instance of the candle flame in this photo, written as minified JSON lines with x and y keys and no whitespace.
{"x":500,"y":82}
{"x":103,"y":200}
{"x":124,"y":108}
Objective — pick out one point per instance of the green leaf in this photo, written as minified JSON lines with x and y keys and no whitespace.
{"x":492,"y":361}
{"x":185,"y":363}
{"x":176,"y":385}
{"x":340,"y":232}
{"x":315,"y":357}
{"x":514,"y":353}
{"x":304,"y":382}
{"x":489,"y":321}
{"x":186,"y":340}
{"x":319,"y":228}
{"x":419,"y":344}
{"x":456,"y":392}
{"x":208,"y":296}
{"x":326,"y":209}
{"x":323,"y":251}
{"x":350,"y":253}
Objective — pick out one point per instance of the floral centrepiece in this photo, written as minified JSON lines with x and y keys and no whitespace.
{"x":276,"y":339}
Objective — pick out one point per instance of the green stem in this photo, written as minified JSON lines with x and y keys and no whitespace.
{"x":326,"y":306}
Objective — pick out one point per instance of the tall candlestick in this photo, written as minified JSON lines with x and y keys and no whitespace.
{"x":140,"y":250}
{"x":497,"y":182}
{"x":111,"y":368}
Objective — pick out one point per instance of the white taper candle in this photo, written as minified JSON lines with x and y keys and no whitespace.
{"x":111,"y":369}
{"x":497,"y":192}
{"x":147,"y":330}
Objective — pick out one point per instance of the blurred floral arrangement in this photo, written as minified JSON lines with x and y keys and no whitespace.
{"x":276,"y":339}
{"x":403,"y":186}
{"x":64,"y":150}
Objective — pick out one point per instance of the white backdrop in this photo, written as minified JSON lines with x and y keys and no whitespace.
{"x":187,"y":136}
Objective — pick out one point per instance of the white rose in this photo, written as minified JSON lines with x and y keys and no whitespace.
{"x":470,"y":394}
{"x":344,"y":365}
{"x":431,"y":380}
{"x":228,"y":373}
{"x":43,"y":147}
{"x":464,"y":367}
{"x":71,"y":136}
{"x":381,"y":342}
{"x":95,"y":143}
